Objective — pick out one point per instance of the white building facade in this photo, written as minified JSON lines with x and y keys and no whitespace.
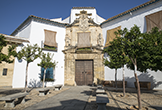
{"x":34,"y":29}
{"x":139,"y":16}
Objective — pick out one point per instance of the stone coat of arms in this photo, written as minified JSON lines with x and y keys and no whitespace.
{"x":83,"y":22}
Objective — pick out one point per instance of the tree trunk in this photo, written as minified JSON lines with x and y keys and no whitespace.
{"x":137,"y":83}
{"x":44,"y":77}
{"x":26,"y":77}
{"x":123,"y":82}
{"x":116,"y":79}
{"x":138,"y":88}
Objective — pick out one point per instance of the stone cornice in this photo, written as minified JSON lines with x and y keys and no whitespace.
{"x":15,"y":39}
{"x":83,"y":8}
{"x":82,"y":51}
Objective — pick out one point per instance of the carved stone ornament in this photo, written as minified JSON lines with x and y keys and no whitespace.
{"x":83,"y":20}
{"x":99,"y":39}
{"x":67,"y":40}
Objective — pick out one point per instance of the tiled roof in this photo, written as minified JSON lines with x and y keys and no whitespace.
{"x":32,"y":16}
{"x":129,"y":11}
{"x":41,"y":19}
{"x":83,"y":8}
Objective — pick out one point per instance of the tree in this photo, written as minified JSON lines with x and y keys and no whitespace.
{"x":133,"y":49}
{"x":152,"y":45}
{"x":29,"y":53}
{"x":123,"y":58}
{"x":151,"y":51}
{"x":111,"y":64}
{"x":11,"y":51}
{"x":46,"y":62}
{"x":117,"y":58}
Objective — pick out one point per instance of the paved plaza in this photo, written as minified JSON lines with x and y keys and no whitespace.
{"x":74,"y":98}
{"x":84,"y":98}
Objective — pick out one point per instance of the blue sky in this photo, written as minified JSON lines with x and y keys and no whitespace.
{"x":14,"y":12}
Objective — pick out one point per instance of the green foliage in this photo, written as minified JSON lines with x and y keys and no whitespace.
{"x":11,"y":51}
{"x":140,"y":64}
{"x":132,"y":41}
{"x":132,"y":47}
{"x":117,"y":57}
{"x":2,"y":42}
{"x":84,"y":49}
{"x":49,"y":47}
{"x":144,"y":50}
{"x":152,"y":47}
{"x":29,"y":53}
{"x":46,"y":61}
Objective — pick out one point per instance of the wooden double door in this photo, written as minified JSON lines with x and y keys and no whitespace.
{"x":84,"y":72}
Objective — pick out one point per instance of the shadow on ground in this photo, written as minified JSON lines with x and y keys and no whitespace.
{"x":156,"y":107}
{"x":146,"y":78}
{"x":77,"y":105}
{"x":142,"y":77}
{"x":9,"y":92}
{"x":129,"y":90}
{"x":4,"y":92}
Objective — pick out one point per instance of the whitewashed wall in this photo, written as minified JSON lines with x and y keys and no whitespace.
{"x":19,"y":71}
{"x":25,"y":31}
{"x":66,"y":20}
{"x":36,"y":36}
{"x":128,"y":21}
{"x":99,"y":19}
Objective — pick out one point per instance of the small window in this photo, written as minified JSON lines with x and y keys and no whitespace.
{"x":154,"y":20}
{"x":48,"y":74}
{"x":4,"y":71}
{"x":111,"y":36}
{"x":50,"y":40}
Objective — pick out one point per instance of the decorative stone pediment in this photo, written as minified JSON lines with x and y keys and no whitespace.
{"x":83,"y":21}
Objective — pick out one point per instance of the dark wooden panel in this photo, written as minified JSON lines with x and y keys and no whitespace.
{"x":88,"y":66}
{"x":79,"y":77}
{"x":84,"y":72}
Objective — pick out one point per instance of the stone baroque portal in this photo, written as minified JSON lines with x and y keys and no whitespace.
{"x":83,"y":52}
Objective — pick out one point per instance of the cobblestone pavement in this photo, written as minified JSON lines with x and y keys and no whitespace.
{"x":84,"y":98}
{"x":31,"y":99}
{"x":151,"y":100}
{"x":74,"y":98}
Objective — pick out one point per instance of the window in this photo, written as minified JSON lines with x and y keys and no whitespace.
{"x":48,"y":74}
{"x":4,"y":71}
{"x":84,"y":39}
{"x":111,"y":35}
{"x":50,"y":40}
{"x":154,"y":20}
